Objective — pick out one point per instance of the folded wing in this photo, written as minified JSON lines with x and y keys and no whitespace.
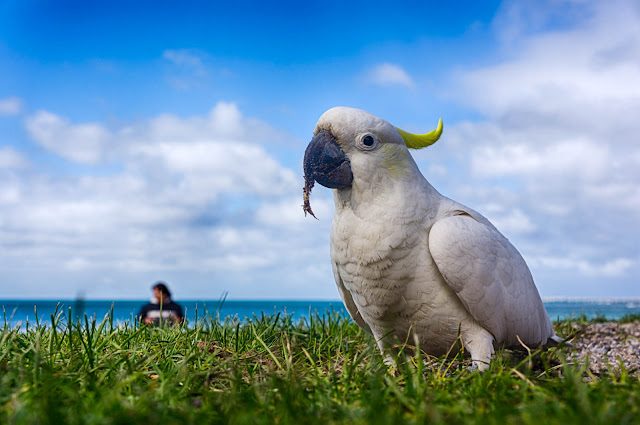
{"x":491,"y":279}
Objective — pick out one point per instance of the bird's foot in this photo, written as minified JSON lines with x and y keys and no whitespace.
{"x":479,"y":366}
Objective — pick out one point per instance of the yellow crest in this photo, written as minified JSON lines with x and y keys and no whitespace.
{"x":418,"y":141}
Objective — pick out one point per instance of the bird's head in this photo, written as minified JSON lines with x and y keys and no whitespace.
{"x":352,"y":147}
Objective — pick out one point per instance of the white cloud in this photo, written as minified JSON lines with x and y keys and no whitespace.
{"x":188,"y":69}
{"x":183,"y":57}
{"x":197,"y":157}
{"x":76,"y":263}
{"x":226,"y":117}
{"x":509,"y":221}
{"x":241,"y":262}
{"x":579,"y":77}
{"x":557,"y":149}
{"x":10,"y":106}
{"x":197,"y":196}
{"x":287,"y":212}
{"x":566,"y":159}
{"x":207,"y":168}
{"x":206,"y":198}
{"x":11,"y":158}
{"x":224,"y":122}
{"x":612,"y":268}
{"x":388,"y":74}
{"x":82,"y":143}
{"x":202,"y":157}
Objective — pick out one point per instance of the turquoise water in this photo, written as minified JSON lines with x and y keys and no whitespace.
{"x":18,"y":312}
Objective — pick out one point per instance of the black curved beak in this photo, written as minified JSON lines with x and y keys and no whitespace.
{"x":326,"y":163}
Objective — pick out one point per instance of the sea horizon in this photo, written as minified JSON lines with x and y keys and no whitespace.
{"x":18,"y":312}
{"x":552,"y":298}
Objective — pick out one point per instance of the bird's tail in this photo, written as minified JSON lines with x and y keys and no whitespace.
{"x":555,"y":340}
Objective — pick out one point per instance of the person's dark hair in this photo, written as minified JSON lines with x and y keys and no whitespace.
{"x":162,"y":287}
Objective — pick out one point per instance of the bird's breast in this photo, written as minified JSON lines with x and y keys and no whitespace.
{"x":393,"y":281}
{"x":377,"y":261}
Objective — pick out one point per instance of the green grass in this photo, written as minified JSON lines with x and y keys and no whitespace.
{"x":272,"y":370}
{"x":630,"y":317}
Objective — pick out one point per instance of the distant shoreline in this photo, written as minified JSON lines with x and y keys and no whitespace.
{"x":557,"y":308}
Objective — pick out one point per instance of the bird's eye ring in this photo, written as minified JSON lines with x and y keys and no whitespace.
{"x":367,"y":142}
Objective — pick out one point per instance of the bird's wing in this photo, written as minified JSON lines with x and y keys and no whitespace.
{"x":348,"y":300}
{"x":491,"y":279}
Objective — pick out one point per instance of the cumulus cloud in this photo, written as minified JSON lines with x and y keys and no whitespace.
{"x":82,"y":143}
{"x":578,"y":159}
{"x":557,"y":146}
{"x":612,"y":268}
{"x":510,"y":221}
{"x":578,"y":77}
{"x":11,"y":158}
{"x":10,"y":106}
{"x":286,"y":212}
{"x":197,"y":195}
{"x":388,"y":74}
{"x":224,"y":122}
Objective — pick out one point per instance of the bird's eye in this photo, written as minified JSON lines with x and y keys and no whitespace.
{"x":368,"y":140}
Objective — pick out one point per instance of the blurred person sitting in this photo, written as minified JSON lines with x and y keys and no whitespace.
{"x":161,"y":309}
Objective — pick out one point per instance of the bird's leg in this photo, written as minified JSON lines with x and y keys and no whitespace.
{"x":385,"y":342}
{"x":389,"y":354}
{"x":392,"y":348}
{"x":479,"y":344}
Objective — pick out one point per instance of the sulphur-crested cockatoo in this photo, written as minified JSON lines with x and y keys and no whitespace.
{"x":410,"y":263}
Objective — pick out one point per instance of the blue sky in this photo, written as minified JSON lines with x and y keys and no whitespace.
{"x":163,"y":140}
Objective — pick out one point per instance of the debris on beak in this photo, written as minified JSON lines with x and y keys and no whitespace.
{"x":306,"y":191}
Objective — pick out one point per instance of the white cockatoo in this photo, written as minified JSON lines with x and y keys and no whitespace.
{"x":409,"y":262}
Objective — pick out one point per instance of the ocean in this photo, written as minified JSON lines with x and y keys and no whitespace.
{"x":19,"y":312}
